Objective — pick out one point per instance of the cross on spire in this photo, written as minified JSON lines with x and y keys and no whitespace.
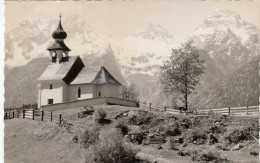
{"x":60,"y":15}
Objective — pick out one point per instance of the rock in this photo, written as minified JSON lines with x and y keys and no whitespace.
{"x":159,"y":146}
{"x":212,"y":139}
{"x":237,"y":147}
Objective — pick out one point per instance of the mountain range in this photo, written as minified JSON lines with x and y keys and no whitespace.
{"x":225,"y":42}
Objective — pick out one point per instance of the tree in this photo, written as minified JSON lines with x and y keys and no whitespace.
{"x":181,"y":73}
{"x":129,"y":92}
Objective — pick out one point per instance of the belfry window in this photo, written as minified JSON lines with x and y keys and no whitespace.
{"x":51,"y":86}
{"x":99,"y":94}
{"x":79,"y":92}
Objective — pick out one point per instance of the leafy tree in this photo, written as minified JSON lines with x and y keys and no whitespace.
{"x":129,"y":92}
{"x":181,"y":73}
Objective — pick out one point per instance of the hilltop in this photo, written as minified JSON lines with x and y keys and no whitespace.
{"x":155,"y":136}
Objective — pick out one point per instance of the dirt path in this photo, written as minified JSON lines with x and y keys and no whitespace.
{"x":161,"y":156}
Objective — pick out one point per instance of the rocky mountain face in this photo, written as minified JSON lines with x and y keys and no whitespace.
{"x":225,"y":40}
{"x":240,"y":88}
{"x":229,"y":40}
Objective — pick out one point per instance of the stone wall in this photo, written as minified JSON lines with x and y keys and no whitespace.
{"x":90,"y":102}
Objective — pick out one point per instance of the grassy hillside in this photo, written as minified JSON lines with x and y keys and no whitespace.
{"x":240,"y":88}
{"x":28,"y":141}
{"x":157,"y":137}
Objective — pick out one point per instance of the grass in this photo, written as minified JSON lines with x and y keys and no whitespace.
{"x":34,"y":141}
{"x":185,"y":134}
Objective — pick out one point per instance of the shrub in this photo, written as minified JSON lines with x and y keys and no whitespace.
{"x":88,"y":136}
{"x":100,"y":115}
{"x":172,"y":143}
{"x":254,"y":153}
{"x":140,"y":118}
{"x":238,"y":135}
{"x":209,"y":157}
{"x":110,"y":148}
{"x":196,"y":136}
{"x":216,"y":129}
{"x":172,"y":131}
{"x":186,"y":123}
{"x":122,"y":126}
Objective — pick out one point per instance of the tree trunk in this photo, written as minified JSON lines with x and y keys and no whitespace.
{"x":186,"y":101}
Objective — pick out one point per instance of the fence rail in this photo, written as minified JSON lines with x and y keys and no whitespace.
{"x":150,"y":107}
{"x":34,"y":114}
{"x":246,"y":110}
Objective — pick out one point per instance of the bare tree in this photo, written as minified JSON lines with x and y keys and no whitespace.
{"x":181,"y":73}
{"x":129,"y":92}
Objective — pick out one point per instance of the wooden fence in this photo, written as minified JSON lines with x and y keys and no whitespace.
{"x":246,"y":110}
{"x":34,"y":114}
{"x":237,"y":111}
{"x":150,"y":107}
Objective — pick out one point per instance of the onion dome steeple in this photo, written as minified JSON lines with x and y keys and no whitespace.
{"x":58,"y":50}
{"x":59,"y":33}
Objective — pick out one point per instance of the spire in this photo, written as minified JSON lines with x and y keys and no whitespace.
{"x":59,"y":33}
{"x":58,"y":50}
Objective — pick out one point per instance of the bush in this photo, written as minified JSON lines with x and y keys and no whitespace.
{"x":122,"y":126}
{"x":88,"y":136}
{"x":196,"y":136}
{"x":172,"y":143}
{"x":238,"y":135}
{"x":110,"y":148}
{"x":209,"y":157}
{"x":140,"y":118}
{"x":100,"y":115}
{"x":172,"y":131}
{"x":216,"y":129}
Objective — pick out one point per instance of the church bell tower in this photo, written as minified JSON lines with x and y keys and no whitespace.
{"x":59,"y":52}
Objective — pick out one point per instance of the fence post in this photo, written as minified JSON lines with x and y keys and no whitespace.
{"x":51,"y":116}
{"x":18,"y":113}
{"x":23,"y":113}
{"x":13,"y":114}
{"x":9,"y":115}
{"x":60,"y":120}
{"x":150,"y":106}
{"x":33,"y":115}
{"x":164,"y":109}
{"x":229,"y":110}
{"x":42,"y":114}
{"x":5,"y":115}
{"x":246,"y":110}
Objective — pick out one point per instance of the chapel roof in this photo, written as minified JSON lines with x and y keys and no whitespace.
{"x":63,"y":70}
{"x":95,"y":75}
{"x":58,"y":45}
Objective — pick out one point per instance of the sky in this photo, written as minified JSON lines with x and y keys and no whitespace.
{"x":118,"y":18}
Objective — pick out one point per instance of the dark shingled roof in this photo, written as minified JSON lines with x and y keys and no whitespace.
{"x":58,"y":45}
{"x":63,"y":70}
{"x":72,"y":71}
{"x":95,"y":75}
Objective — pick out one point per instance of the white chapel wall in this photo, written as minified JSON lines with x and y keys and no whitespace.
{"x":108,"y":90}
{"x":85,"y":89}
{"x":56,"y":93}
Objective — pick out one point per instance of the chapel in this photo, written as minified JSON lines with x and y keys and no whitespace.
{"x":67,"y":78}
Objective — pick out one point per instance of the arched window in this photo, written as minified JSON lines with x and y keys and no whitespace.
{"x":51,"y":86}
{"x":99,"y":94}
{"x":79,"y":92}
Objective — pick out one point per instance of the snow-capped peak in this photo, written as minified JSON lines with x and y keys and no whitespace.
{"x":152,"y":31}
